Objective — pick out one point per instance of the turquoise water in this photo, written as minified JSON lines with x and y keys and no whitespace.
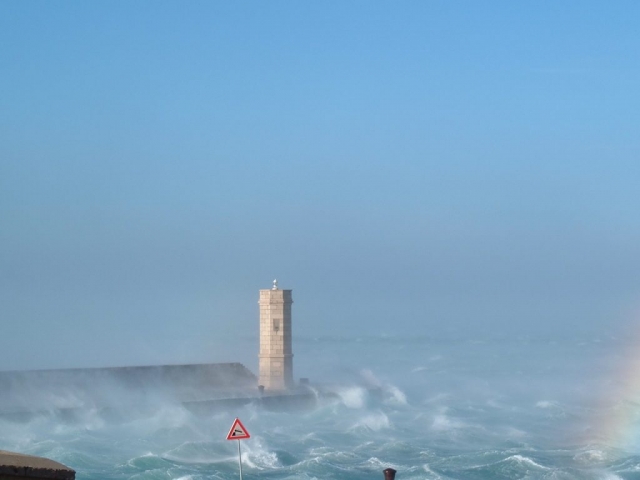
{"x":446,"y":408}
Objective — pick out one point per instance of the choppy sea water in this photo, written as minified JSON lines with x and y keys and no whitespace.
{"x":431,"y":408}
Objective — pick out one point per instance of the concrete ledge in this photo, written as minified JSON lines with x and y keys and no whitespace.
{"x":18,"y":466}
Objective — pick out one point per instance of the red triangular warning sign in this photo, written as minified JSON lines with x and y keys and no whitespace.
{"x":238,"y":432}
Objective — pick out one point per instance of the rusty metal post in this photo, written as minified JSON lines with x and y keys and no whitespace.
{"x":389,"y":474}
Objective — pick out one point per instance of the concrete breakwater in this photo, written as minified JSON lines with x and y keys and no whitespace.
{"x":201,"y":388}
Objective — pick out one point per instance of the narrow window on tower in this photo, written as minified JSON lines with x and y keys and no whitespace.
{"x":276,"y":325}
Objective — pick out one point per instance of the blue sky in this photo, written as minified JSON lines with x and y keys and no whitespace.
{"x":406,"y":168}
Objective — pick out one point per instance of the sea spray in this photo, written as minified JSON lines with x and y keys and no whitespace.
{"x":471,"y":417}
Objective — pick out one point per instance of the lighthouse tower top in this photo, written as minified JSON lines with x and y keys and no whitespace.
{"x":276,"y":356}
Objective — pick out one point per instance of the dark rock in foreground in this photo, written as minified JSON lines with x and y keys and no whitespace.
{"x":18,"y":466}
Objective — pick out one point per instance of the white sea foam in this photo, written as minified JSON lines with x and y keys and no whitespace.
{"x":375,"y":421}
{"x":442,"y":422}
{"x":395,"y":396}
{"x":150,"y":474}
{"x":194,"y":453}
{"x":261,"y":460}
{"x":376,"y":464}
{"x":520,"y":459}
{"x":144,"y":455}
{"x":390,"y":394}
{"x":353,"y":397}
{"x":431,"y":474}
{"x":258,"y":456}
{"x":590,"y":457}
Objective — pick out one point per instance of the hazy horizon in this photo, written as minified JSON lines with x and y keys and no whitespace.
{"x":406,"y":169}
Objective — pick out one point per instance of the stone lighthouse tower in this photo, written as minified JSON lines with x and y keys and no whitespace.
{"x":276,"y":357}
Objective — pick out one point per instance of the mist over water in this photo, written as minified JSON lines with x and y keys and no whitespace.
{"x":437,"y":408}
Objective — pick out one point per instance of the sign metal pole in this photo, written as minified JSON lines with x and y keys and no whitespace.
{"x":240,"y":459}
